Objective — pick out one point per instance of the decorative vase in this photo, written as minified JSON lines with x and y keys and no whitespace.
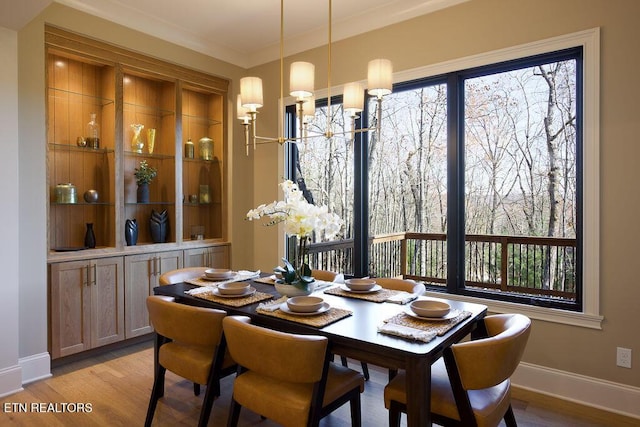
{"x":151,"y":140}
{"x":131,"y":232}
{"x":143,"y":193}
{"x":89,"y":237}
{"x":91,"y":196}
{"x":288,"y":290}
{"x":136,"y":142}
{"x":159,"y":226}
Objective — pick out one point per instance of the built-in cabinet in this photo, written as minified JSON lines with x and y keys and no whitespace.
{"x":142,"y":274}
{"x":86,"y":305}
{"x":147,"y":110}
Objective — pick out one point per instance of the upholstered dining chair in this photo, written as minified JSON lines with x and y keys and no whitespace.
{"x":180,"y":275}
{"x":405,"y":285}
{"x":287,"y":378}
{"x":327,"y":276}
{"x":189,"y":343}
{"x":470,"y":385}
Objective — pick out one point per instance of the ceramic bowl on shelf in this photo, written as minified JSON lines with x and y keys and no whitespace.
{"x":305,"y":304}
{"x":233,"y":288}
{"x":430,"y":308}
{"x":360,"y":284}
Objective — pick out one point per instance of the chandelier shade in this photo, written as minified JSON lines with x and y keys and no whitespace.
{"x":301,"y":79}
{"x":251,"y":92}
{"x":380,"y":77}
{"x":301,"y":87}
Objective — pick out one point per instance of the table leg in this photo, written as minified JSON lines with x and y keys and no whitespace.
{"x":418,"y":393}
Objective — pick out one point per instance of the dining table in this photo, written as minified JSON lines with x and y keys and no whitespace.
{"x":352,"y":325}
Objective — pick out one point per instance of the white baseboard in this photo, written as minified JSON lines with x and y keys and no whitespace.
{"x":35,"y":367}
{"x":10,"y":380}
{"x":609,"y":396}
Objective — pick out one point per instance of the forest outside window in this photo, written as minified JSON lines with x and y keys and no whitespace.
{"x":476,"y":183}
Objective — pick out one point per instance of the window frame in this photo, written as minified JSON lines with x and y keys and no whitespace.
{"x":589,"y":40}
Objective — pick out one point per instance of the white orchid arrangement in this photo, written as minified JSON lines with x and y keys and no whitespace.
{"x":301,"y":219}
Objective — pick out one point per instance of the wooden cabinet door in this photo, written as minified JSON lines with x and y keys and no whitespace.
{"x":107,"y":308}
{"x":214,"y":257}
{"x":195,"y":257}
{"x":218,"y":257}
{"x":141,"y":276}
{"x":70,"y":295}
{"x":167,"y":261}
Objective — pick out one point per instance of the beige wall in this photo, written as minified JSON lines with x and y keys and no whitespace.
{"x":484,"y":25}
{"x":467,"y":29}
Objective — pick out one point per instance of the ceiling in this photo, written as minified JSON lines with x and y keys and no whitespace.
{"x":243,"y":32}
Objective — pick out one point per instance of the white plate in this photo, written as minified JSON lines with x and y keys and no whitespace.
{"x":375,"y":288}
{"x":217,"y":279}
{"x":449,"y":315}
{"x":217,"y":293}
{"x":286,"y":309}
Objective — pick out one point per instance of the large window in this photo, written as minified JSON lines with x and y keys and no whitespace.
{"x":474,"y":184}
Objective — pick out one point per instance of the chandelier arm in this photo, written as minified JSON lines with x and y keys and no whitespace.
{"x":329,"y":118}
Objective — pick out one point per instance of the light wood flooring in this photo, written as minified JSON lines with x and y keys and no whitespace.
{"x":117,"y":384}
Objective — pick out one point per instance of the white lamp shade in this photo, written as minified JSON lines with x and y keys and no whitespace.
{"x":251,"y":92}
{"x":309,"y":106}
{"x":242,"y":112}
{"x":380,"y":77}
{"x":353,"y":97}
{"x":301,"y":78}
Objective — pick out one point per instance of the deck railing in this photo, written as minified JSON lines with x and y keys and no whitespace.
{"x":525,"y":265}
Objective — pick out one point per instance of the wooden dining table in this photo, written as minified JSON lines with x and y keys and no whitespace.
{"x":357,"y":336}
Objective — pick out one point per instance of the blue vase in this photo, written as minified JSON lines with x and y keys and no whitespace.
{"x":131,"y":232}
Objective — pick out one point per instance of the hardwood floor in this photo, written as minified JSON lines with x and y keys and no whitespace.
{"x":117,"y":386}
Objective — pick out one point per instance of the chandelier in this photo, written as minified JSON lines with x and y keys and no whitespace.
{"x":301,"y":87}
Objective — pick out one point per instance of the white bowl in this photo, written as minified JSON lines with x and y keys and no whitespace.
{"x":305,"y":304}
{"x":218,"y":273}
{"x":360,"y":284}
{"x":430,"y":308}
{"x":233,"y":288}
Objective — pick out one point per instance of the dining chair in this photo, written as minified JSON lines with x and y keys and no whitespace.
{"x":327,"y":276}
{"x":405,"y":285}
{"x":470,"y":385}
{"x":287,"y":378}
{"x":189,"y":343}
{"x":180,"y":275}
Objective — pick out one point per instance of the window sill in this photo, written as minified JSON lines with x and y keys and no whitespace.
{"x":583,"y":320}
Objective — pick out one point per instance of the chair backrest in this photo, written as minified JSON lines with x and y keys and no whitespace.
{"x":326,"y":275}
{"x":406,"y":285}
{"x":180,"y":275}
{"x":197,"y":326}
{"x":486,"y":362}
{"x":279,"y":355}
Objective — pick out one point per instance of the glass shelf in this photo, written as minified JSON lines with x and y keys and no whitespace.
{"x":70,"y":147}
{"x":201,"y":120}
{"x":65,"y":95}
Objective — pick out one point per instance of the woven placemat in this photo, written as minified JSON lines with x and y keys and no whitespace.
{"x":234,"y":302}
{"x":319,"y":320}
{"x":381,"y":296}
{"x":439,"y":327}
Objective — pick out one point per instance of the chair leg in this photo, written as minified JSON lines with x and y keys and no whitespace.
{"x":356,"y":410}
{"x":365,"y":370}
{"x":196,"y":389}
{"x":394,"y":414}
{"x":209,"y":396}
{"x":156,"y":393}
{"x":234,"y":413}
{"x":509,"y":418}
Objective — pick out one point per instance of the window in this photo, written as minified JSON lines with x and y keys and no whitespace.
{"x":484,"y":167}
